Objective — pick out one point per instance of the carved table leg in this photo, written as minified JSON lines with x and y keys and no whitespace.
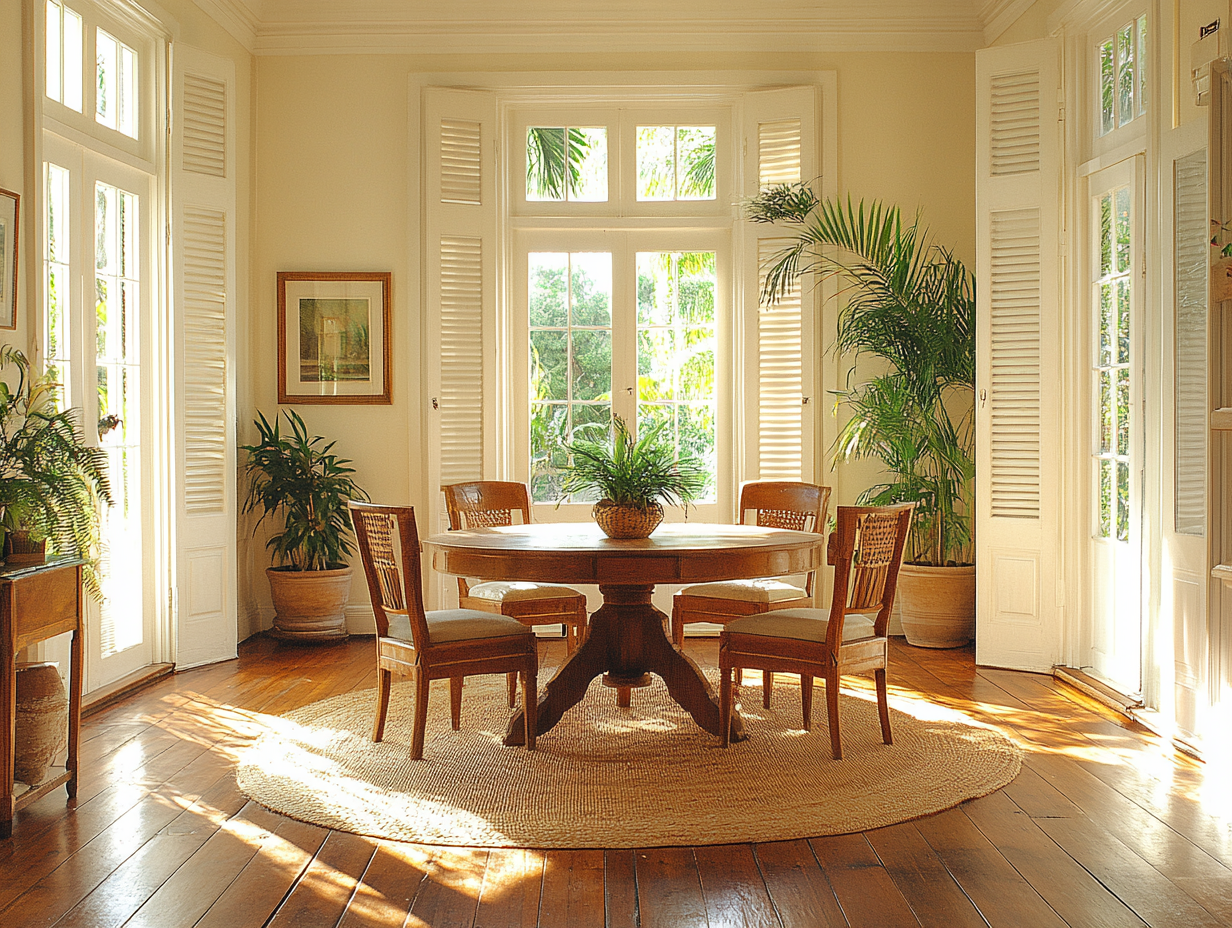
{"x":627,"y":639}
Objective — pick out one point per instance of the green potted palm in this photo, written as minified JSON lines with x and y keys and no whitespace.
{"x":633,"y":477}
{"x":301,"y":480}
{"x":909,"y":308}
{"x":52,"y":483}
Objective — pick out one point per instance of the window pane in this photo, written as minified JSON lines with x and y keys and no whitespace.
{"x":548,"y":294}
{"x":56,"y":255}
{"x":588,"y":165}
{"x":128,"y":91}
{"x":1125,"y":75}
{"x":676,"y":351}
{"x":566,"y":163}
{"x":1122,"y":230}
{"x":1107,"y":71}
{"x":55,"y":88}
{"x":695,"y":150}
{"x":1122,"y":330}
{"x":72,"y":54}
{"x":549,"y":364}
{"x":1106,"y":323}
{"x":656,"y":163}
{"x":1122,"y":401}
{"x":591,"y":289}
{"x":545,"y":163}
{"x":547,"y":450}
{"x":1105,"y":235}
{"x":1122,"y":470}
{"x":591,"y":362}
{"x":107,"y":55}
{"x":1105,"y":497}
{"x":1107,"y":421}
{"x":1141,"y":95}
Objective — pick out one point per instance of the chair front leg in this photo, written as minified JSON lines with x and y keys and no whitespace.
{"x":383,"y":680}
{"x":421,"y":713}
{"x":883,"y":705}
{"x":677,"y":625}
{"x":767,"y":687}
{"x":530,"y":706}
{"x":511,"y":682}
{"x":806,"y":701}
{"x":455,"y":702}
{"x":836,"y":744}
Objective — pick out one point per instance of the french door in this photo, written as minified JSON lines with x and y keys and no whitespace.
{"x":1117,"y":446}
{"x":99,"y":287}
{"x":621,"y":324}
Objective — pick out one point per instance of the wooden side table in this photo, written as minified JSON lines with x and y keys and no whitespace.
{"x":37,"y":603}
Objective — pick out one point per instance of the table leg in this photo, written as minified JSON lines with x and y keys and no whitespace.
{"x":627,"y":639}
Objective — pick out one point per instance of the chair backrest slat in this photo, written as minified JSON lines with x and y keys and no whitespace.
{"x":485,"y":503}
{"x":388,"y":542}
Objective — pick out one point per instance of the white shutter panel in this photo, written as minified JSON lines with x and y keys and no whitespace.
{"x":459,"y":131}
{"x":780,"y":147}
{"x":203,"y":198}
{"x":1018,"y":415}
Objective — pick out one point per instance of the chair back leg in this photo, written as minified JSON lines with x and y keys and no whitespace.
{"x":725,"y":704}
{"x":530,"y":707}
{"x":836,"y":744}
{"x":767,"y":687}
{"x":511,"y":681}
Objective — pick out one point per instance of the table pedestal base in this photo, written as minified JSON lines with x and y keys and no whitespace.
{"x":626,"y":640}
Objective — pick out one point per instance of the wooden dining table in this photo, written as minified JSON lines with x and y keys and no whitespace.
{"x":627,"y":636}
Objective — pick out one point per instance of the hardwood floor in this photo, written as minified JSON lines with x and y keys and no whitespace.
{"x":1106,"y":826}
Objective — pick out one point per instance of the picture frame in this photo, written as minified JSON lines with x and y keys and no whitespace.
{"x":10,"y":235}
{"x":333,"y":338}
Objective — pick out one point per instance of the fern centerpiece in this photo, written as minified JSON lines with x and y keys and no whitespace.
{"x":634,"y":477}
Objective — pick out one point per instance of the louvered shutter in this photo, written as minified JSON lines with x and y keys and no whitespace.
{"x":202,"y":320}
{"x":459,"y":131}
{"x":780,"y":147}
{"x":1018,"y":349}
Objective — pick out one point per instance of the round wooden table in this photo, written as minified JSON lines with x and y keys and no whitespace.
{"x":627,"y":637}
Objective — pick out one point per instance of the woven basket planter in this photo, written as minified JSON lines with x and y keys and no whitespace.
{"x":20,"y":550}
{"x":621,"y":521}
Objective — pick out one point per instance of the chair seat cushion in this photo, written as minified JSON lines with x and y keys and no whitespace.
{"x":752,"y":591}
{"x":515,"y":591}
{"x":445,"y":625}
{"x":800,"y":624}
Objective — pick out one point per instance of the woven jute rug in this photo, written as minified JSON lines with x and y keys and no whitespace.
{"x":610,"y":777}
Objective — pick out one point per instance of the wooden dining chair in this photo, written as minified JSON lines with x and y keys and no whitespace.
{"x":442,"y":644}
{"x":866,"y":551}
{"x":490,"y":503}
{"x":790,"y":505}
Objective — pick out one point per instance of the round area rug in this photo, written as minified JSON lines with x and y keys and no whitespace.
{"x":607,"y":777}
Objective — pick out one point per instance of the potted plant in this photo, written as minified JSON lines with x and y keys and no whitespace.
{"x":910,"y":309}
{"x":300,"y":479}
{"x":52,"y":483}
{"x":631,"y":476}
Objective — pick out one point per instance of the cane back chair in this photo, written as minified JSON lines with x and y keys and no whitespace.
{"x":490,"y":503}
{"x":426,"y":646}
{"x":866,"y":551}
{"x":790,"y":505}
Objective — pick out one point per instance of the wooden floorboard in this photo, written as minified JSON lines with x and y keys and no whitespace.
{"x":1106,"y":827}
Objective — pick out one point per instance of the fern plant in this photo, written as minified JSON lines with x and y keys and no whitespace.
{"x":910,"y":303}
{"x":300,"y":478}
{"x":631,"y":472}
{"x":52,"y":483}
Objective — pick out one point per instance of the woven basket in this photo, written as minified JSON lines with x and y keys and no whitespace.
{"x":20,"y":550}
{"x":621,"y":521}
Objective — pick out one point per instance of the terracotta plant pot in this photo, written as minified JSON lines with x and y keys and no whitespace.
{"x":621,"y":521}
{"x":41,"y":727}
{"x":938,"y":605}
{"x":309,"y":605}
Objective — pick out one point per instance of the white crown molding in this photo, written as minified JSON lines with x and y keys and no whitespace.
{"x":237,"y":17}
{"x":523,"y":36}
{"x":1081,"y":14}
{"x":999,"y":15}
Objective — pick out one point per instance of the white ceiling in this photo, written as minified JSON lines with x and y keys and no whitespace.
{"x":562,"y":26}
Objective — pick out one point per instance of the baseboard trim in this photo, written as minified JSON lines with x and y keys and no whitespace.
{"x":113,"y":692}
{"x":1098,"y":690}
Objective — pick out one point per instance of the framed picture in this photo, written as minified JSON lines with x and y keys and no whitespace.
{"x":9,"y":218}
{"x":333,"y":338}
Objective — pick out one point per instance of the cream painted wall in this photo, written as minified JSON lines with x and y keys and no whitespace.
{"x":332,"y":144}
